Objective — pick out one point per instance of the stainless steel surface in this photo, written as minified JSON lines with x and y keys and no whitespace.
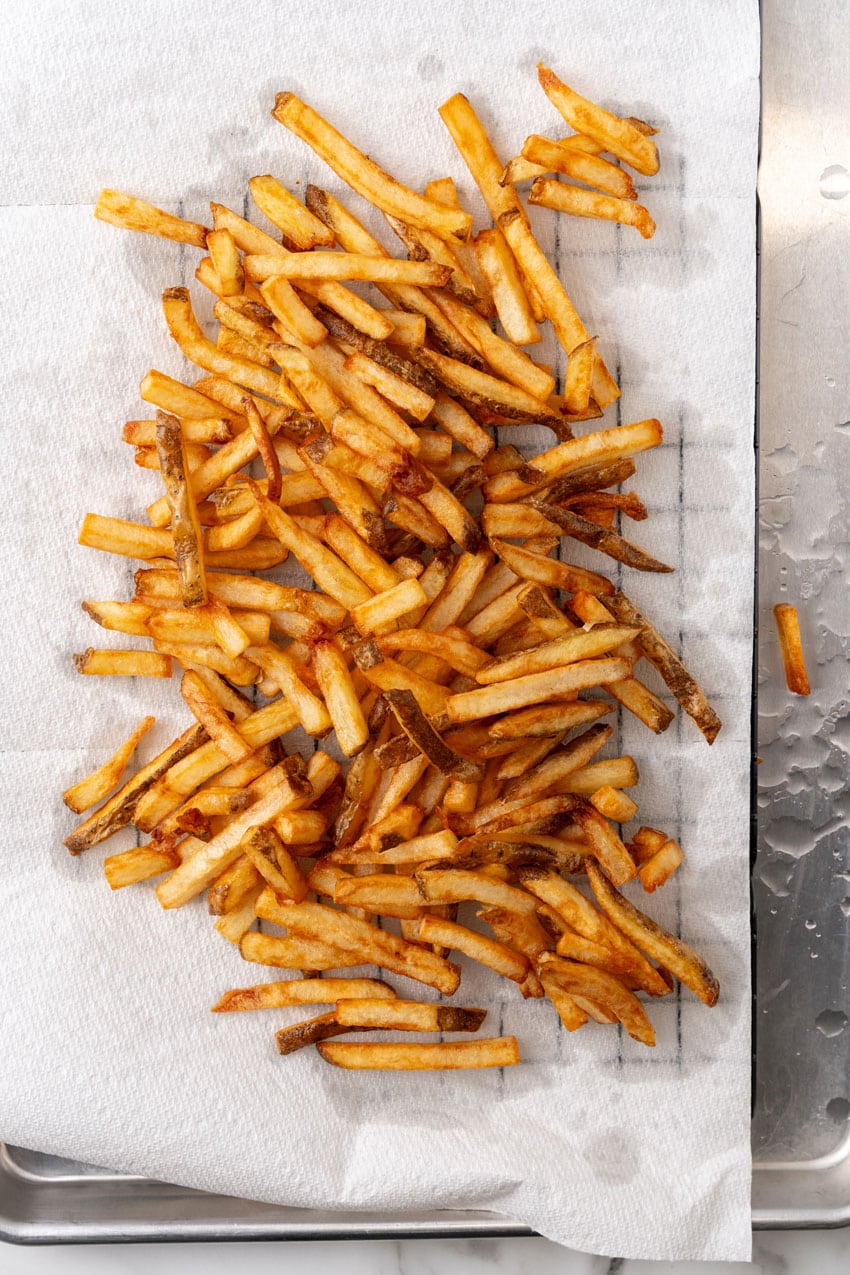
{"x":801,"y":1133}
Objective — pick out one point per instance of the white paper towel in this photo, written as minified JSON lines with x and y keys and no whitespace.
{"x":110,"y":1053}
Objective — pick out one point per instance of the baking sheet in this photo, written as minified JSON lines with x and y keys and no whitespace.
{"x":113,"y":327}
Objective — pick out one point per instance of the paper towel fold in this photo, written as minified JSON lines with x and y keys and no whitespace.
{"x":111,"y":1054}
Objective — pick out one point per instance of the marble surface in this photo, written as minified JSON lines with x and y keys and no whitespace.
{"x":775,"y":1252}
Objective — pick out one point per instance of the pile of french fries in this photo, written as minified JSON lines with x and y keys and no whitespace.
{"x":462,"y":669}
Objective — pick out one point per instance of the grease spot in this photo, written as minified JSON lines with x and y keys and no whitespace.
{"x":831,"y":1022}
{"x":430,"y":67}
{"x":613,"y":1158}
{"x":834,"y":182}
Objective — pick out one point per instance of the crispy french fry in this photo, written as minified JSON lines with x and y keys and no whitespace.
{"x":224,"y":255}
{"x":362,"y":174}
{"x":660,"y":866}
{"x":791,"y":646}
{"x":616,"y":135}
{"x":87,"y":792}
{"x":293,"y":953}
{"x":613,"y":804}
{"x":346,"y":265}
{"x":555,"y":157}
{"x":499,"y":269}
{"x":274,"y":863}
{"x":670,"y":952}
{"x":599,"y":448}
{"x":343,"y":705}
{"x":603,"y":989}
{"x":413,"y":1016}
{"x":579,"y":645}
{"x":419,"y":730}
{"x":551,"y":572}
{"x":393,"y":387}
{"x":303,"y":991}
{"x":381,"y":894}
{"x":134,"y":214}
{"x":382,"y":610}
{"x":497,"y":1051}
{"x":536,"y":688}
{"x":213,"y":717}
{"x":122,"y":663}
{"x":504,"y":960}
{"x":605,"y":541}
{"x":587,"y":203}
{"x":139,"y":864}
{"x":301,"y":230}
{"x":613,"y":856}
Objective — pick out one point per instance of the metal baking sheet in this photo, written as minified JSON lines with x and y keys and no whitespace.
{"x":801,"y":791}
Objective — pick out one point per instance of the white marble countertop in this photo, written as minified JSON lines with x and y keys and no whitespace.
{"x":797,"y":1252}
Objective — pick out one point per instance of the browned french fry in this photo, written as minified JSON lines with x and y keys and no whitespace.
{"x":581,"y":644}
{"x":303,"y":991}
{"x":670,"y":952}
{"x":399,"y":392}
{"x":185,"y":527}
{"x":551,"y":572}
{"x":274,"y":863}
{"x":455,"y":651}
{"x":180,"y":400}
{"x":497,"y":1051}
{"x":455,"y":885}
{"x":605,"y":541}
{"x":504,"y":960}
{"x":412,"y":1016}
{"x":232,"y":887}
{"x":293,"y":953}
{"x":602,"y":989}
{"x":134,"y":214}
{"x":424,"y":849}
{"x":613,"y":856}
{"x":791,"y":646}
{"x":570,"y":1012}
{"x":549,"y":719}
{"x":419,"y":730}
{"x":87,"y":792}
{"x":346,"y":265}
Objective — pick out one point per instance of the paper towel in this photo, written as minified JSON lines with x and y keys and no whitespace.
{"x":110,"y":1052}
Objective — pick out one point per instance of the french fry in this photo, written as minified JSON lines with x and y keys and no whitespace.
{"x":546,"y":778}
{"x":499,"y":269}
{"x":380,"y":894}
{"x":241,"y":671}
{"x":454,"y":651}
{"x":497,"y":1051}
{"x":613,"y":804}
{"x":655,"y":870}
{"x":602,"y":989}
{"x":186,"y":331}
{"x":600,"y":448}
{"x":484,"y":390}
{"x":362,"y":174}
{"x":364,"y":941}
{"x":301,"y":230}
{"x":571,"y":1014}
{"x":504,"y":960}
{"x":536,"y":688}
{"x":134,"y":214}
{"x":288,"y":674}
{"x":549,"y":719}
{"x":504,"y":358}
{"x":121,"y":808}
{"x":399,"y":392}
{"x":616,"y":135}
{"x":230,"y":890}
{"x":791,"y":646}
{"x":587,"y":203}
{"x":213,"y":717}
{"x":613,"y":856}
{"x":456,"y":885}
{"x":551,"y":572}
{"x":224,"y":255}
{"x":670,"y":952}
{"x":582,"y":644}
{"x":293,"y":953}
{"x":419,"y":730}
{"x":340,"y":696}
{"x":122,"y":663}
{"x":346,"y":265}
{"x":207,"y":430}
{"x":139,"y":864}
{"x":587,"y":533}
{"x":303,"y":991}
{"x":424,"y":849}
{"x":87,"y":792}
{"x":456,"y":421}
{"x":412,"y":1016}
{"x":382,"y":610}
{"x":555,"y":157}
{"x":347,"y":542}
{"x":274,"y":863}
{"x":664,"y":659}
{"x":617,"y":772}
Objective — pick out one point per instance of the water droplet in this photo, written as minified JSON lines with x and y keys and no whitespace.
{"x":838,"y":1109}
{"x":773,"y":911}
{"x":835,"y":182}
{"x":810,"y":924}
{"x":813,"y":955}
{"x":831,"y":1022}
{"x":830,"y":380}
{"x":845,"y":905}
{"x":842,"y":876}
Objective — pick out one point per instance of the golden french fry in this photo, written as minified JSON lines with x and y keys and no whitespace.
{"x":412,"y":1016}
{"x":587,"y":203}
{"x":381,"y":611}
{"x":225,"y":259}
{"x":500,"y":270}
{"x":301,"y":230}
{"x":274,"y":863}
{"x":87,"y":792}
{"x":497,"y":1051}
{"x":134,"y":214}
{"x":536,"y":688}
{"x":380,"y":894}
{"x":213,"y":717}
{"x":122,"y":663}
{"x":791,"y":646}
{"x":616,"y":135}
{"x":363,"y":174}
{"x":346,"y":265}
{"x":602,"y":989}
{"x":303,"y":991}
{"x":139,"y":864}
{"x":340,"y":696}
{"x":556,"y":157}
{"x":613,"y":804}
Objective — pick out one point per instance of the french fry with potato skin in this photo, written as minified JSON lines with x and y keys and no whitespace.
{"x":411,"y":1016}
{"x":610,"y":542}
{"x":310,"y":1032}
{"x":496,"y":1051}
{"x":419,"y":730}
{"x":94,"y":787}
{"x":121,"y":808}
{"x":671,"y":953}
{"x":264,"y":848}
{"x":293,"y":952}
